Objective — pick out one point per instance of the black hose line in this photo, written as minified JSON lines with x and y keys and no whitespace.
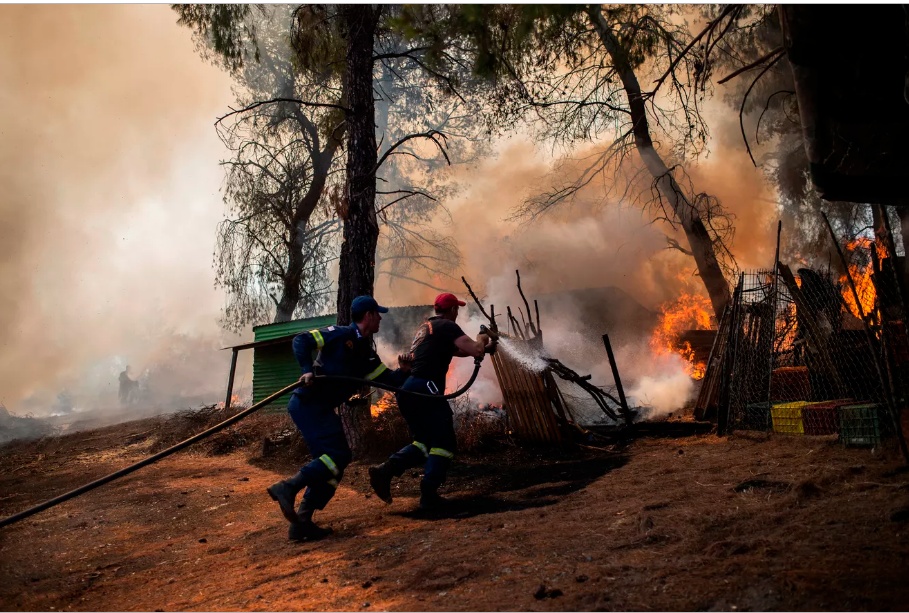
{"x":391,"y":388}
{"x":12,"y":519}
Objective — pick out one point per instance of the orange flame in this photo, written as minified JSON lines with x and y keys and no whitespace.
{"x":234,"y":401}
{"x":861,"y":276}
{"x":388,"y":400}
{"x":384,"y":403}
{"x":451,"y":380}
{"x":688,"y":312}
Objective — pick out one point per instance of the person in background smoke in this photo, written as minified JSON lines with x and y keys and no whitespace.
{"x":333,"y":350}
{"x":437,"y":341}
{"x":128,"y":388}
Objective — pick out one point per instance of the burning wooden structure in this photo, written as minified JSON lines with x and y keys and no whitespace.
{"x":533,"y":403}
{"x":537,"y":410}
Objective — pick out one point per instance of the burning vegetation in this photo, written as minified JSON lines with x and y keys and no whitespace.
{"x":386,"y":401}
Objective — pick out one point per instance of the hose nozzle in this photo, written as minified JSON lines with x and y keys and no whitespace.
{"x":490,"y":333}
{"x":491,"y":348}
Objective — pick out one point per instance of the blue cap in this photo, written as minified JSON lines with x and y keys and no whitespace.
{"x":365,"y":304}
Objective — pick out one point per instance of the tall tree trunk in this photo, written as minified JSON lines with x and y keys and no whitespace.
{"x":699,"y":238}
{"x":361,"y":229}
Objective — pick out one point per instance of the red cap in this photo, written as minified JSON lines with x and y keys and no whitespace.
{"x":446,"y":301}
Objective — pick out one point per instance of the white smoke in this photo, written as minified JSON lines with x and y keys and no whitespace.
{"x":110,"y":208}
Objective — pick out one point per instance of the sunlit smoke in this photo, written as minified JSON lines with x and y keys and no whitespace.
{"x":594,"y":244}
{"x":110,"y":177}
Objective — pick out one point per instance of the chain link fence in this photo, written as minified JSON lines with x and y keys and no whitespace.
{"x":807,"y":354}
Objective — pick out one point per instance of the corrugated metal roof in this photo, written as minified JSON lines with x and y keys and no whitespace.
{"x":274,"y":364}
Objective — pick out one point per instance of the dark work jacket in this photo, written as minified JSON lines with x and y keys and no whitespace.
{"x":344,"y":351}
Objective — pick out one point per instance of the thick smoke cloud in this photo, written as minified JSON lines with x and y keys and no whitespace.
{"x":108,"y":167}
{"x":593,"y":244}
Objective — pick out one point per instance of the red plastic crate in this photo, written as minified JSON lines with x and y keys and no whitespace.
{"x":821,"y":417}
{"x":789,"y":384}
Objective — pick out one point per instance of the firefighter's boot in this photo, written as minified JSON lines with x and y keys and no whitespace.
{"x":430,"y":499}
{"x":436,"y":470}
{"x":380,"y":476}
{"x":304,"y":529}
{"x":285,"y":494}
{"x":380,"y":479}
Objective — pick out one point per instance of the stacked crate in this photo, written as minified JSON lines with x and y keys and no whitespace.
{"x":860,"y":425}
{"x":789,"y":384}
{"x":821,"y":418}
{"x":757,"y":416}
{"x":787,"y":417}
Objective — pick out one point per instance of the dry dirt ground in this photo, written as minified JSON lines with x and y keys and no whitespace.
{"x":665,"y":521}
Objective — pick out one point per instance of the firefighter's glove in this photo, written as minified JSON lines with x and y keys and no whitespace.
{"x":492,"y":346}
{"x":405,"y":361}
{"x":487,"y":341}
{"x":307,"y":379}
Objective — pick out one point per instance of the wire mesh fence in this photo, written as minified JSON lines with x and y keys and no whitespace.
{"x":800,"y":360}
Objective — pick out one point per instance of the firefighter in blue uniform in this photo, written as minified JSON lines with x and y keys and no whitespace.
{"x":333,"y":350}
{"x":430,"y":420}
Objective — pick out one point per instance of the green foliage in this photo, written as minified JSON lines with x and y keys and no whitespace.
{"x":319,"y":44}
{"x":221,"y":28}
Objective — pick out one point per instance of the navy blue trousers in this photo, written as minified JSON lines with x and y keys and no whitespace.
{"x":431,"y":424}
{"x":324,"y":435}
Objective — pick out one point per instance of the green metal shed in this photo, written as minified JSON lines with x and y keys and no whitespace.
{"x":274,"y":365}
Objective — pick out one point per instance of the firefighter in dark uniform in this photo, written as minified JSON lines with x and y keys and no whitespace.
{"x":431,"y":424}
{"x":333,"y":350}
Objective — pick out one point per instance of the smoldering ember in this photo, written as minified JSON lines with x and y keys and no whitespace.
{"x":454,"y":307}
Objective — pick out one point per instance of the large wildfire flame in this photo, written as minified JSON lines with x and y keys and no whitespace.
{"x":861,"y":276}
{"x":688,"y":312}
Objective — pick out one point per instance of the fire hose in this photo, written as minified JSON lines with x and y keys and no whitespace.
{"x":12,"y":519}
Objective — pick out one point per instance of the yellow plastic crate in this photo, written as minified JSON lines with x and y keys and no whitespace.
{"x":787,"y":417}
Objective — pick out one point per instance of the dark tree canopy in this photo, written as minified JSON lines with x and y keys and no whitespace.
{"x":318,"y":84}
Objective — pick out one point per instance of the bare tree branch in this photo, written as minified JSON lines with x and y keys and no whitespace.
{"x":754,"y":64}
{"x":674,"y":244}
{"x":432,"y":135}
{"x":672,"y":66}
{"x":275,"y":100}
{"x":745,"y":99}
